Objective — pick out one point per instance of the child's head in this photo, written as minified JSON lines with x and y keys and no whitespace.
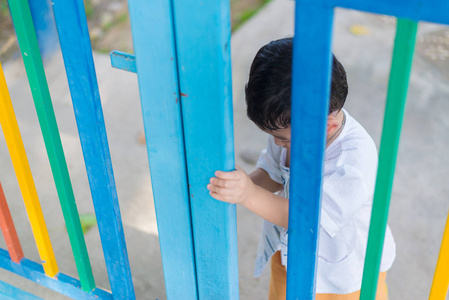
{"x":269,"y":86}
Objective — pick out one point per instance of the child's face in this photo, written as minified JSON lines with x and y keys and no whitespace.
{"x":281,"y":136}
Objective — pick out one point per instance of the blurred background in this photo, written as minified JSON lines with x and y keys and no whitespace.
{"x":109,"y":25}
{"x":362,"y":42}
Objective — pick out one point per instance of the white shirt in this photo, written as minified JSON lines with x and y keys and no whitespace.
{"x":350,"y":168}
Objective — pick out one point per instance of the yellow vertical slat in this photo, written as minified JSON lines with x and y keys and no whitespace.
{"x":441,"y":278}
{"x":20,"y":162}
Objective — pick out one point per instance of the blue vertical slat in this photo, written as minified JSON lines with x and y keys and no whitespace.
{"x":154,"y":46}
{"x":44,"y":24}
{"x":310,"y":101}
{"x":77,"y":53}
{"x":202,"y":30}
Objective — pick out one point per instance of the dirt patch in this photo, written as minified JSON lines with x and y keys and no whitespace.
{"x":109,"y":25}
{"x":8,"y":42}
{"x":434,"y":48}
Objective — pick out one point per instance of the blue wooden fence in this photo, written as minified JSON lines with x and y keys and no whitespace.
{"x":182,"y":59}
{"x":313,"y":32}
{"x":173,"y":103}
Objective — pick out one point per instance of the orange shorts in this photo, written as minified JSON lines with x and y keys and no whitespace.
{"x":278,"y":284}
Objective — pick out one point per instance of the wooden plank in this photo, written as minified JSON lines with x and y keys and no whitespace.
{"x":76,"y":49}
{"x":154,"y":45}
{"x":26,"y":36}
{"x":25,"y":179}
{"x":310,"y":105}
{"x":394,"y":111}
{"x":440,"y":282}
{"x":202,"y":30}
{"x":9,"y":230}
{"x":62,"y":283}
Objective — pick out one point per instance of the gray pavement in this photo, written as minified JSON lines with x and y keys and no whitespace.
{"x":419,"y":203}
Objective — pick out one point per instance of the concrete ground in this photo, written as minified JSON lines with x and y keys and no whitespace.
{"x":362,"y":42}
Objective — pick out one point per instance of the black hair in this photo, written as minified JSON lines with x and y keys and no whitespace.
{"x":268,"y":90}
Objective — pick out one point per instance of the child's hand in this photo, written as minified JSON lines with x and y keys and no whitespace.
{"x":232,"y":187}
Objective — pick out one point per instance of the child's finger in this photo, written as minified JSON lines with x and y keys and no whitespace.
{"x":220,"y":190}
{"x":222,"y":183}
{"x":221,"y":197}
{"x":216,"y":196}
{"x":233,"y":175}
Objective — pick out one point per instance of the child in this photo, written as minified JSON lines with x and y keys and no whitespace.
{"x":350,"y":168}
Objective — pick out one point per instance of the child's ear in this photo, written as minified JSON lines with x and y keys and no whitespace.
{"x":332,"y":123}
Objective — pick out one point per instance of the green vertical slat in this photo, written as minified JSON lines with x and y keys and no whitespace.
{"x":29,"y":48}
{"x":394,"y":112}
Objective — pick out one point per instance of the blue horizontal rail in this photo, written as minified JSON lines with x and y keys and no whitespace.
{"x":435,"y":11}
{"x":123,"y":61}
{"x":62,"y":284}
{"x":11,"y":292}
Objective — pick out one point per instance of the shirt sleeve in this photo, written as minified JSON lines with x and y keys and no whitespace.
{"x":269,"y":160}
{"x":344,"y":193}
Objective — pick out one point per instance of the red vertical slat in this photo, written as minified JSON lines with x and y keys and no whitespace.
{"x":9,"y":230}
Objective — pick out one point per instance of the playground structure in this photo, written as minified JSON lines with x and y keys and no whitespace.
{"x":200,"y":281}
